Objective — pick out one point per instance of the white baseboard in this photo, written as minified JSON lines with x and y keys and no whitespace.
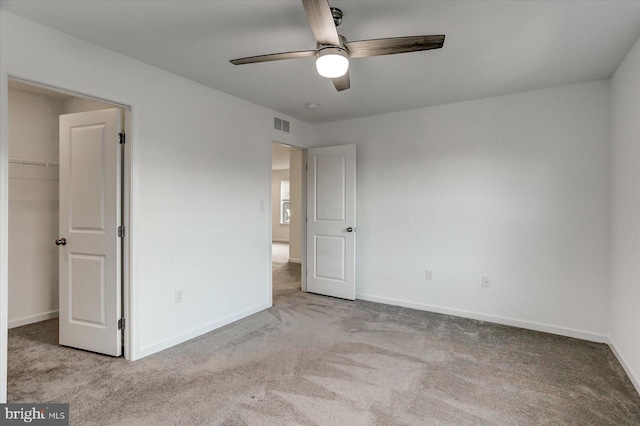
{"x":562,"y":331}
{"x":33,"y":318}
{"x":625,"y":366}
{"x":530,"y":325}
{"x":198,"y":331}
{"x":292,"y":260}
{"x":279,"y":240}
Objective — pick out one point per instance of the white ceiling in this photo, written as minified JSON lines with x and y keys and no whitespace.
{"x":491,"y":47}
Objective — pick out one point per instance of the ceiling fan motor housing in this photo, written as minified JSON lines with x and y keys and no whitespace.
{"x":337,"y":16}
{"x":343,"y":44}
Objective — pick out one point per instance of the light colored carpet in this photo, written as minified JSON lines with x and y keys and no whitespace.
{"x":317,"y":360}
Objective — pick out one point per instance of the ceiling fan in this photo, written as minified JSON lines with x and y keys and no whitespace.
{"x":333,"y":51}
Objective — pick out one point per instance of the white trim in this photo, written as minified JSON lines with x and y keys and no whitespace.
{"x":130,"y":259}
{"x":199,"y":331}
{"x":634,"y":380}
{"x":530,"y":325}
{"x":303,"y":267}
{"x":33,"y":319}
{"x":68,"y":88}
{"x":269,"y":207}
{"x":4,"y":230}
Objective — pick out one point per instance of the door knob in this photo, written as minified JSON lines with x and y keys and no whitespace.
{"x":350,"y":229}
{"x":61,"y":242}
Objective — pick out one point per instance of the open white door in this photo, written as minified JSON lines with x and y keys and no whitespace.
{"x":331,"y":221}
{"x":90,"y":216}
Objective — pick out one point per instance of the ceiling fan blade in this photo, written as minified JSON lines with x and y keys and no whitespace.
{"x":321,"y":20}
{"x":390,"y":46}
{"x":274,"y":57}
{"x":342,"y":83}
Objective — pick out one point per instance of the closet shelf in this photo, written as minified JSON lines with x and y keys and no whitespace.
{"x":33,"y":163}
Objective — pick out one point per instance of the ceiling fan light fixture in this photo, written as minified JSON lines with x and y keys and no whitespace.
{"x":333,"y":51}
{"x":332,"y":61}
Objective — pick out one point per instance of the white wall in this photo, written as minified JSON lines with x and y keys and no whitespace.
{"x":280,"y":232}
{"x":513,"y":187}
{"x":33,"y":208}
{"x":625,"y":215}
{"x":192,"y":147}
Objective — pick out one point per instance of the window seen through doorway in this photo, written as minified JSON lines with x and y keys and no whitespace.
{"x":285,"y":211}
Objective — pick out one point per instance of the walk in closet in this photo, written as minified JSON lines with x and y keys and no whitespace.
{"x":33,"y":198}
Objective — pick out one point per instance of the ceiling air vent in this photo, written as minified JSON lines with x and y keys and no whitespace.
{"x":280,"y":124}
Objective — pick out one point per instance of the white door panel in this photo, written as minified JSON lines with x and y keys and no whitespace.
{"x":88,"y":283}
{"x":90,"y":213}
{"x":331,"y":221}
{"x":86,"y":178}
{"x":330,"y":187}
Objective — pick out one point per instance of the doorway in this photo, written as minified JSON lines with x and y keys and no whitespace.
{"x":286,"y":217}
{"x":34,"y":112}
{"x":327,"y":207}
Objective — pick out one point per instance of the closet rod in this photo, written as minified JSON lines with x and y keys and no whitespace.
{"x":33,"y":163}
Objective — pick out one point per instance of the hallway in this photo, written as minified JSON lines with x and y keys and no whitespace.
{"x":286,"y":275}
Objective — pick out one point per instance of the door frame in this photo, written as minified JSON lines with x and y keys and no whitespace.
{"x":284,"y":140}
{"x":130,"y":194}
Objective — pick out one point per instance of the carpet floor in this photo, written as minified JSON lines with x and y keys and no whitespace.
{"x":313,"y":360}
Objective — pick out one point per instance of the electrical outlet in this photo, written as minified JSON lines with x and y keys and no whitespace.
{"x":429,"y":274}
{"x":178,"y":296}
{"x":486,"y":281}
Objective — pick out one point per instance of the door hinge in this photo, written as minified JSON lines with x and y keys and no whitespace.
{"x":122,"y":138}
{"x":121,"y":324}
{"x":121,"y":231}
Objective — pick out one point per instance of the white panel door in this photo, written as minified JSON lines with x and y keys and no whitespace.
{"x":331,"y":221}
{"x":90,"y":213}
